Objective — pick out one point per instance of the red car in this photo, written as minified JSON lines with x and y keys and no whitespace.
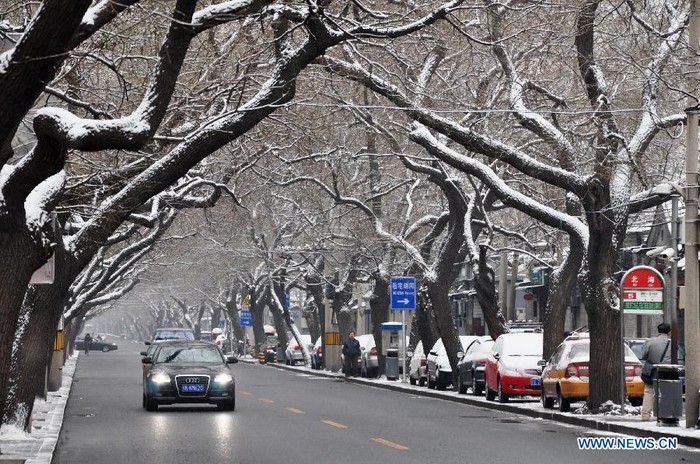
{"x":511,"y":366}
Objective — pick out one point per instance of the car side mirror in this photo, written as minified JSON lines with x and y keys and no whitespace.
{"x":143,"y":353}
{"x":432,"y":353}
{"x":460,"y":354}
{"x":541,"y":363}
{"x":231,"y":360}
{"x":497,"y":356}
{"x":146,"y":343}
{"x":147,"y":360}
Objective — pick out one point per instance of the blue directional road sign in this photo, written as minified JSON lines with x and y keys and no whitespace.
{"x":246,"y":319}
{"x":403,"y":293}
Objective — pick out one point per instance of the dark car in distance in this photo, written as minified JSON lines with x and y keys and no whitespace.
{"x":95,"y":345}
{"x":184,"y":371}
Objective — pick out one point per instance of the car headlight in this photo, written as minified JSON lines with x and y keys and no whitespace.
{"x":160,"y":378}
{"x":223,"y":378}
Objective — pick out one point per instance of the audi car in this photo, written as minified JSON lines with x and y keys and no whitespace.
{"x":184,"y":371}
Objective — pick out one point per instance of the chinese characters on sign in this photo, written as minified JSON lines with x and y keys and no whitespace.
{"x":403,"y":293}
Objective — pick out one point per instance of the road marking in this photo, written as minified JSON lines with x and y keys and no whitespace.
{"x":335,"y":424}
{"x":267,"y":400}
{"x":390,"y":444}
{"x":295,"y":411}
{"x":242,"y":392}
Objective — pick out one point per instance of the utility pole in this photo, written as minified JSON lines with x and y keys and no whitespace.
{"x":503,"y":284}
{"x":692,"y":287}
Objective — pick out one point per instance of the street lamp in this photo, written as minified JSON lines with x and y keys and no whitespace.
{"x":671,"y":254}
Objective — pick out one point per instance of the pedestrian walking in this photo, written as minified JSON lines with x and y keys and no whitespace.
{"x":655,"y":351}
{"x":88,"y":340}
{"x":351,"y":352}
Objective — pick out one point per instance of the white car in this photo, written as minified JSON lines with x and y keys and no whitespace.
{"x":293,"y":353}
{"x":418,"y":366}
{"x":369,"y":363}
{"x":439,"y":369}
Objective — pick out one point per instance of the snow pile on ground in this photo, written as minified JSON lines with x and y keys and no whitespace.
{"x":609,"y":409}
{"x":12,"y":432}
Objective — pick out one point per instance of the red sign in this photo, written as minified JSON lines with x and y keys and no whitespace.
{"x":643,"y":278}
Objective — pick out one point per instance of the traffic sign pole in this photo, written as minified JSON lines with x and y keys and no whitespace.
{"x":403,"y":298}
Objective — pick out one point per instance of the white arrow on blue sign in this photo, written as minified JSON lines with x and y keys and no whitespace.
{"x":246,"y":319}
{"x":403,"y":293}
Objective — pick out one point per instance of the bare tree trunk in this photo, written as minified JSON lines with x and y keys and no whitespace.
{"x":485,"y":285}
{"x":379,"y":303}
{"x":561,"y":284}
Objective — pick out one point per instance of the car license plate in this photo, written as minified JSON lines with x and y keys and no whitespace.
{"x":535,"y":381}
{"x":192,"y":388}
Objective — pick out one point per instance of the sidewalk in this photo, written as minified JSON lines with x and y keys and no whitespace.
{"x":611,"y":421}
{"x":37,"y":447}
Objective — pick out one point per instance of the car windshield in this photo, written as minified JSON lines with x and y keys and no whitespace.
{"x":189,"y":355}
{"x":174,"y":335}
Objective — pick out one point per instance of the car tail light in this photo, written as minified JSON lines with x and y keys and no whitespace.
{"x":320,"y":350}
{"x":632,"y":370}
{"x":297,"y":348}
{"x":423,"y":361}
{"x":373,"y":351}
{"x":577,"y":370}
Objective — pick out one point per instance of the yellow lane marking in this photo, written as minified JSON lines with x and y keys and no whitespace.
{"x":335,"y":424}
{"x":245,"y":393}
{"x":295,"y":411}
{"x":267,"y":400}
{"x":390,"y":444}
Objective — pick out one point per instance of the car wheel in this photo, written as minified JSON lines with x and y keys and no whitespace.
{"x":227,"y":406}
{"x":438,"y":384}
{"x":564,"y":403}
{"x":143,"y":401}
{"x":547,"y":403}
{"x":411,"y":380}
{"x":421,"y":382}
{"x":151,"y":404}
{"x":105,"y":349}
{"x":502,"y":397}
{"x":490,"y":394}
{"x":636,"y":401}
{"x":462,"y":388}
{"x":476,"y":388}
{"x":431,"y":382}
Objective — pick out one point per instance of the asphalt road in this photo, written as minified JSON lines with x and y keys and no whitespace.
{"x":288,"y":417}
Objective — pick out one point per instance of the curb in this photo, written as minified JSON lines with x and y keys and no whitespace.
{"x":595,"y":424}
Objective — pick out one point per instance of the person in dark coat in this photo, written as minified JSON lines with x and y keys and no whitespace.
{"x":88,"y":340}
{"x":656,"y":350}
{"x":351,"y":352}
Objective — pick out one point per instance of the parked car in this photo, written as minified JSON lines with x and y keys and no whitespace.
{"x":369,"y":363}
{"x":418,"y":366}
{"x":183,"y":371}
{"x":267,"y":350}
{"x":294,"y":354}
{"x":565,"y":375}
{"x":94,"y":345}
{"x":317,"y":355}
{"x":470,"y":369}
{"x":512,"y":366}
{"x":636,"y":344}
{"x":439,"y":373}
